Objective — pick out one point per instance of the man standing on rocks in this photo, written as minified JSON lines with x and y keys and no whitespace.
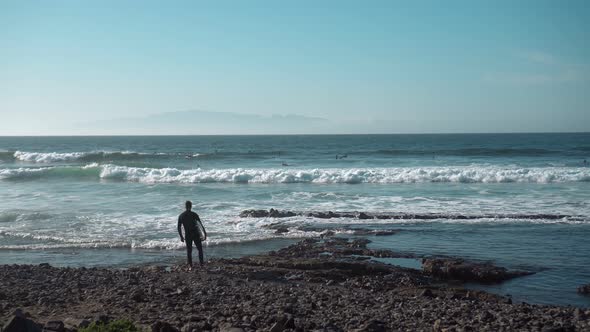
{"x":192,"y":233}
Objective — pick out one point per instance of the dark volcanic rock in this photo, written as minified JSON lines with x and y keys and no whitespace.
{"x":163,"y":327}
{"x":584,"y":289}
{"x":400,"y":215}
{"x":21,"y":324}
{"x":457,"y":269}
{"x":57,"y":326}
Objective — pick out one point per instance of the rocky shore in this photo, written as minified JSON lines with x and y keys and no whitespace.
{"x":325,"y":285}
{"x":273,"y":213}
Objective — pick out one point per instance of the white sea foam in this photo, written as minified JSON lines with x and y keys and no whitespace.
{"x":53,"y":157}
{"x":47,"y":157}
{"x":468,"y":174}
{"x":448,"y":174}
{"x":22,"y":173}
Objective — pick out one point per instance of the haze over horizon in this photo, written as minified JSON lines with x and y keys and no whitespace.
{"x":262,"y":67}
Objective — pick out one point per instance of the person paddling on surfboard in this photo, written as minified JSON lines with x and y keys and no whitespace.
{"x":193,"y":232}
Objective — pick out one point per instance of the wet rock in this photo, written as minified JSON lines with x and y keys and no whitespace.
{"x":281,"y":230}
{"x":584,"y":289}
{"x":21,"y":324}
{"x":457,"y":269}
{"x":254,"y":214}
{"x":363,"y":215}
{"x":57,"y":326}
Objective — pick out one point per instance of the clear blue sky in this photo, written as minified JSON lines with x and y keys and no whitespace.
{"x":367,"y":66}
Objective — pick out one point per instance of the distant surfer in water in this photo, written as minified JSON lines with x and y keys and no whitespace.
{"x":193,"y":232}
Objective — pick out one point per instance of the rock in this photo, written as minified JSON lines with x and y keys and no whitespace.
{"x":254,"y":214}
{"x":457,"y":269}
{"x":436,"y":326}
{"x":584,"y":289}
{"x":138,"y":295}
{"x":21,"y":324}
{"x":56,"y":325}
{"x":281,"y":324}
{"x":363,"y":215}
{"x":231,"y":329}
{"x":163,"y":327}
{"x":102,"y":319}
{"x":372,"y":326}
{"x":83,"y":323}
{"x":282,"y":230}
{"x":426,"y":293}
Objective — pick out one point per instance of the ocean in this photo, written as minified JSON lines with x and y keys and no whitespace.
{"x":519,"y":200}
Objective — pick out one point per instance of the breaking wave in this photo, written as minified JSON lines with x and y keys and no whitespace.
{"x":109,"y":156}
{"x":447,"y":174}
{"x":95,"y":156}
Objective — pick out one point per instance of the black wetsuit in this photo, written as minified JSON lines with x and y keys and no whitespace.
{"x":188,"y":220}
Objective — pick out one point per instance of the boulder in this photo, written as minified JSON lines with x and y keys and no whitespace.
{"x":282,"y":230}
{"x":584,"y":289}
{"x":163,"y":327}
{"x":138,"y":295}
{"x":458,"y":269}
{"x":21,"y":324}
{"x":56,"y":325}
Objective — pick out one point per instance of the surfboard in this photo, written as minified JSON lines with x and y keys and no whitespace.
{"x":201,"y":230}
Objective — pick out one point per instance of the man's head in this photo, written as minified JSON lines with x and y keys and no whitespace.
{"x":188,"y":205}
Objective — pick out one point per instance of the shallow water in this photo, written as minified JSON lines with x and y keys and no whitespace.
{"x":113,"y":201}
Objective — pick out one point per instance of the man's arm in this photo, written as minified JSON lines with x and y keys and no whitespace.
{"x":179,"y":230}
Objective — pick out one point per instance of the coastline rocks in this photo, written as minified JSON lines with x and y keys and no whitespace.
{"x":584,"y":289}
{"x":321,"y":285}
{"x":272,"y":213}
{"x":458,"y":269}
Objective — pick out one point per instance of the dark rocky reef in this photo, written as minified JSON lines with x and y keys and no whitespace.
{"x":459,"y":269}
{"x":584,"y":289}
{"x":281,"y":228}
{"x":272,"y":213}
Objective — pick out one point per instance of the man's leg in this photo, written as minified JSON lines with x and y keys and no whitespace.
{"x":189,"y":251}
{"x":200,"y":248}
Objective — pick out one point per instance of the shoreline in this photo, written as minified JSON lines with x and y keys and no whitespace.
{"x":314,"y":284}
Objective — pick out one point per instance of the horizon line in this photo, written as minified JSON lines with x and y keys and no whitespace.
{"x":343,"y":134}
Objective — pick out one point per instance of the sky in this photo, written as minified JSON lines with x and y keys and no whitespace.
{"x":79,"y":67}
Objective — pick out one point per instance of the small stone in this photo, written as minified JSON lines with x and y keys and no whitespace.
{"x":138,"y":295}
{"x":83,"y":323}
{"x":426,"y":293}
{"x":54,"y":326}
{"x":163,"y":327}
{"x":102,"y":319}
{"x":232,"y":329}
{"x":436,"y":326}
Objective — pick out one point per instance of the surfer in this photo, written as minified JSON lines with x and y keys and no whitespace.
{"x":193,"y":228}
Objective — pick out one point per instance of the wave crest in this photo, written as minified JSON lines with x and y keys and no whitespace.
{"x":466,"y":174}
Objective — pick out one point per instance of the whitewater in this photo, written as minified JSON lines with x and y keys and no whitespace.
{"x":519,"y":200}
